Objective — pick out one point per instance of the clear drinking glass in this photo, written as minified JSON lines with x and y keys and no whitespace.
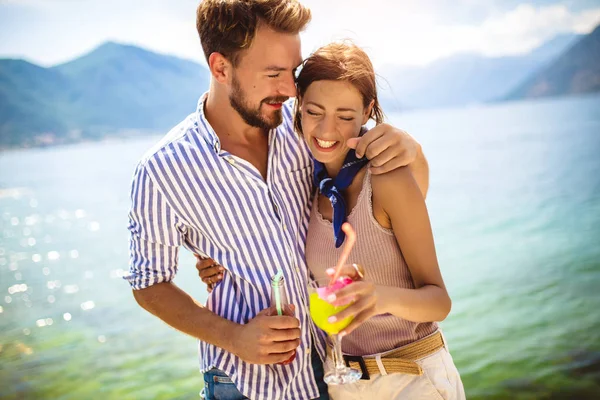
{"x":320,"y":311}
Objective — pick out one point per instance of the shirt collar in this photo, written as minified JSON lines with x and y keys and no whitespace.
{"x":208,"y":132}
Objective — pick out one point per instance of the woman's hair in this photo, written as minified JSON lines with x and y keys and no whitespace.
{"x":339,"y":61}
{"x":229,"y":26}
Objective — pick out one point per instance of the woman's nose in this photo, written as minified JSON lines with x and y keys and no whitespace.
{"x":327,"y":125}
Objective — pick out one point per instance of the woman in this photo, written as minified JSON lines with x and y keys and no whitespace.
{"x":396,"y":306}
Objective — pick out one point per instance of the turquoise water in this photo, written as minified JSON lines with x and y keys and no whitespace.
{"x":515,"y":208}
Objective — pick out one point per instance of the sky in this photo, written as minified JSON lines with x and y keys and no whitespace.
{"x":393,"y":32}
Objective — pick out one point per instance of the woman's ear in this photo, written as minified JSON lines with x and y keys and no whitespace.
{"x":298,"y":116}
{"x":368,"y":111}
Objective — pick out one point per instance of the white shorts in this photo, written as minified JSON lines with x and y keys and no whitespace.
{"x":440,"y":381}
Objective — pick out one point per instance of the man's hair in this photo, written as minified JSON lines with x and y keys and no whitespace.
{"x":228,"y":26}
{"x":339,"y":61}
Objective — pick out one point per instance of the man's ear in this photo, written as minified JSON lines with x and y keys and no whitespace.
{"x":368,"y":111}
{"x":220,"y":67}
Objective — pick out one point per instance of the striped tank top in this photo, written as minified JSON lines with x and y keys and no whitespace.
{"x":377,"y":250}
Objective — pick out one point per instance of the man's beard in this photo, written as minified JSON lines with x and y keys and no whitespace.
{"x":252,"y":116}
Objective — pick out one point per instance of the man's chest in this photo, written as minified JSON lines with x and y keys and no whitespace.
{"x":229,"y":203}
{"x":223,"y":203}
{"x":250,"y":226}
{"x":255,"y":154}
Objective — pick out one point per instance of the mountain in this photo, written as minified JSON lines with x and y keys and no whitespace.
{"x":30,"y":101}
{"x":115,"y":87}
{"x":466,"y":78}
{"x":133,"y":87}
{"x":575,"y":71}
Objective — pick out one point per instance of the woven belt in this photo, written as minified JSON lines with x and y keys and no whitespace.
{"x":402,"y":360}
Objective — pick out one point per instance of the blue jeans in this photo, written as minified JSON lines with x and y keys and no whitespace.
{"x":218,"y":386}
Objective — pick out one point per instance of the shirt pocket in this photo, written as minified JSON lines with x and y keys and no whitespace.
{"x":292,"y":194}
{"x":295,"y":191}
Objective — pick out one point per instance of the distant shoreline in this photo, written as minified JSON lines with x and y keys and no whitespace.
{"x":50,"y":140}
{"x":62,"y":142}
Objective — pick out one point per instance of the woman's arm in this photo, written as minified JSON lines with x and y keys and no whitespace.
{"x":420,"y":170}
{"x":398,"y":195}
{"x":400,"y":198}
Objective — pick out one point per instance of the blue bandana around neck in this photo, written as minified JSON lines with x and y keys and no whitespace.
{"x":333,"y":188}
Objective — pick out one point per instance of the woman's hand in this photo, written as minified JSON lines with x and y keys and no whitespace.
{"x":361,"y":294}
{"x":209,"y":271}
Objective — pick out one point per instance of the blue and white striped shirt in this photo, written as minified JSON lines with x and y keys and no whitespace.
{"x":188,"y":191}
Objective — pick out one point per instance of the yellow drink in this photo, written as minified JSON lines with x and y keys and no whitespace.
{"x":320,"y":310}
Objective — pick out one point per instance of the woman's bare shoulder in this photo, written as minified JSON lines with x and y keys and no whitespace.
{"x":393,"y":181}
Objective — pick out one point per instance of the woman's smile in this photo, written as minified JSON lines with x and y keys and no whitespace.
{"x":325,"y":145}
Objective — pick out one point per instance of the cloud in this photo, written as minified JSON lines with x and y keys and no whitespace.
{"x":416,"y":33}
{"x":525,"y":27}
{"x":41,"y":4}
{"x":52,"y":32}
{"x":406,"y":32}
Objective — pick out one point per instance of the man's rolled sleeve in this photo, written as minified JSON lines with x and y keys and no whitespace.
{"x":155,"y":234}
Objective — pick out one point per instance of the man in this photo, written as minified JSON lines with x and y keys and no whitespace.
{"x":232,"y":182}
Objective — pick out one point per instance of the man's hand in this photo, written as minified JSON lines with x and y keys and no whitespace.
{"x":387,"y":147}
{"x":267,"y":339}
{"x":390,"y":148}
{"x":263,"y":340}
{"x":209,"y":271}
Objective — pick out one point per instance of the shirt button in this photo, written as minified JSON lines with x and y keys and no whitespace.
{"x":297,"y":270}
{"x":230,"y":160}
{"x":308,"y":352}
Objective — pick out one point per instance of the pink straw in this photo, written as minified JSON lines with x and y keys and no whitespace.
{"x":348,"y":245}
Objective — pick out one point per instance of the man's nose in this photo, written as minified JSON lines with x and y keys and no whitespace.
{"x":288,"y":86}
